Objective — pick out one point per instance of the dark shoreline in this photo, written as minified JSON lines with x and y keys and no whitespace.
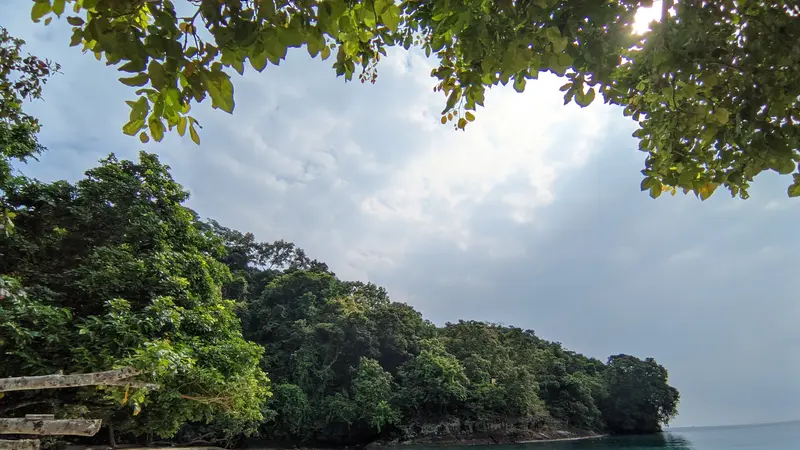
{"x":437,"y":441}
{"x":528,"y":437}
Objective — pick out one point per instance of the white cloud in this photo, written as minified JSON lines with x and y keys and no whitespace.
{"x":517,"y":137}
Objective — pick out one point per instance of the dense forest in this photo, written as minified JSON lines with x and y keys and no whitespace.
{"x":248,"y":338}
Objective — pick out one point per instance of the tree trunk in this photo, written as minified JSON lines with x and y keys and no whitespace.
{"x":109,"y":378}
{"x":64,"y":427}
{"x":111,"y":441}
{"x":20,"y":444}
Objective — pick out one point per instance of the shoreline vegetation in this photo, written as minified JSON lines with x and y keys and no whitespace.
{"x":385,"y":445}
{"x":259,"y":445}
{"x":245,"y":339}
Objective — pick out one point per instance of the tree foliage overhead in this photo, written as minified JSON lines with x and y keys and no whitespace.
{"x":21,"y":78}
{"x":712,"y":87}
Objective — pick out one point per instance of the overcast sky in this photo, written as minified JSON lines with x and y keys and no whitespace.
{"x":532,"y":217}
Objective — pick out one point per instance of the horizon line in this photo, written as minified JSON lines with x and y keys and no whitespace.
{"x":758,"y":424}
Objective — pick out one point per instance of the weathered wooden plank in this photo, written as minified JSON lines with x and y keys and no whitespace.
{"x":19,"y":444}
{"x":58,"y":381}
{"x":40,"y":416}
{"x":61,"y":427}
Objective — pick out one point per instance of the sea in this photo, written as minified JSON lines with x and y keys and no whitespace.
{"x":779,"y":436}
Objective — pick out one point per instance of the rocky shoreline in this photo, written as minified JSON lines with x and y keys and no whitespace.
{"x":452,"y":432}
{"x":550,"y":436}
{"x":465,"y":432}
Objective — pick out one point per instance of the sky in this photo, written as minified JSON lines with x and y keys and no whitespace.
{"x":533,"y":217}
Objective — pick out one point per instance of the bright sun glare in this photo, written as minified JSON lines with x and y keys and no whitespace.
{"x":646,"y":15}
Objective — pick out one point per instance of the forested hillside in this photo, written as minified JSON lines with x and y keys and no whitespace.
{"x":249,"y":338}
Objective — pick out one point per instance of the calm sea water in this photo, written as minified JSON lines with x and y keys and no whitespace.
{"x":752,"y":437}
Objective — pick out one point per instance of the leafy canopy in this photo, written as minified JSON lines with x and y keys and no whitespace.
{"x":117,"y":274}
{"x":712,"y":88}
{"x":21,"y":78}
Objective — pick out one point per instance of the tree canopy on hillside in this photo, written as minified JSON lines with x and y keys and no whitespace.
{"x":109,"y":272}
{"x":114,"y":270}
{"x":712,"y":86}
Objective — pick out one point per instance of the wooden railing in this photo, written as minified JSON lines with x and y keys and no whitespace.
{"x":47,"y":424}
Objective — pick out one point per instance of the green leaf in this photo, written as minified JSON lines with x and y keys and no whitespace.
{"x":553,"y":34}
{"x":451,"y":100}
{"x":794,"y":188}
{"x":136,"y":80}
{"x":39,"y":10}
{"x":686,"y":177}
{"x":58,"y":7}
{"x":367,"y":16}
{"x":77,"y":37}
{"x":559,"y":44}
{"x":469,"y":116}
{"x":326,"y":53}
{"x":646,"y":182}
{"x":290,"y":37}
{"x":382,"y":5}
{"x":519,"y":83}
{"x":586,"y":99}
{"x":655,"y":190}
{"x":722,"y":115}
{"x":132,"y":127}
{"x":157,"y":75}
{"x":564,"y":60}
{"x":156,"y":127}
{"x":258,"y":61}
{"x":193,"y":134}
{"x":182,"y":125}
{"x":134,"y":66}
{"x":391,"y":17}
{"x":75,"y":21}
{"x":238,"y":65}
{"x":315,"y":44}
{"x":266,"y":9}
{"x":144,"y":137}
{"x":276,"y":49}
{"x":220,"y":89}
{"x":139,"y":109}
{"x":705,"y":191}
{"x":785,"y":165}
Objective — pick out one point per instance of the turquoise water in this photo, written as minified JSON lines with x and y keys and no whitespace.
{"x":751,"y":437}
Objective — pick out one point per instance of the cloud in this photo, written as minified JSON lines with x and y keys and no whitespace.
{"x":532,"y":217}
